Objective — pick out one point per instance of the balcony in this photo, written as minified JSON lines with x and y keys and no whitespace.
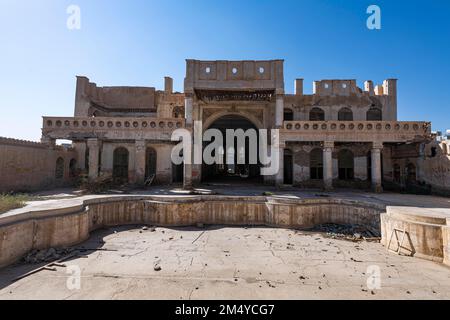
{"x":356,"y":131}
{"x":73,"y":128}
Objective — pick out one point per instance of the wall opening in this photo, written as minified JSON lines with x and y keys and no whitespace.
{"x":346,"y":165}
{"x":316,"y":164}
{"x":230,"y":170}
{"x":150,"y":162}
{"x":316,"y":114}
{"x":411,"y":174}
{"x":73,"y":168}
{"x":345,"y":114}
{"x":397,"y":173}
{"x":288,"y":114}
{"x":120,"y":165}
{"x":374,"y":114}
{"x":288,"y":167}
{"x":59,"y":169}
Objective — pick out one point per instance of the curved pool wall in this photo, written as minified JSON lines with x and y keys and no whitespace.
{"x":70,"y":225}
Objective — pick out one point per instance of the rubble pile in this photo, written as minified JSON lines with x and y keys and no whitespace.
{"x":46,"y":255}
{"x":353,"y":232}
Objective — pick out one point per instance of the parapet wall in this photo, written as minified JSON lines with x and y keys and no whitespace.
{"x":28,"y":166}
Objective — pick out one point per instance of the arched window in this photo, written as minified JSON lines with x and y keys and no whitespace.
{"x":346,"y":164}
{"x":397,"y":173}
{"x":288,"y":167}
{"x":316,"y":114}
{"x":150,"y":162}
{"x":345,"y":114}
{"x":288,"y":114}
{"x":316,"y":164}
{"x":410,"y":173}
{"x":120,"y":165}
{"x":73,"y":168}
{"x":374,"y":114}
{"x":59,"y":170}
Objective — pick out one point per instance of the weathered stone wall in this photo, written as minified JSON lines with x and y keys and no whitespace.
{"x":435,"y":167}
{"x":27,"y":166}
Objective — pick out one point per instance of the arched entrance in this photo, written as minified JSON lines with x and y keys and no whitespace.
{"x":230,"y":169}
{"x":120,"y":165}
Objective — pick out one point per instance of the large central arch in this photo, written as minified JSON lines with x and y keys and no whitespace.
{"x":227,"y":171}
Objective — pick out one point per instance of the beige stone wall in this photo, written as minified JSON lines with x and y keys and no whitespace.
{"x":27,"y":166}
{"x":436,"y":167}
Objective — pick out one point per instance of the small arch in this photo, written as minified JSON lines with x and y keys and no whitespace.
{"x":345,"y":114}
{"x":316,"y":114}
{"x":73,"y":168}
{"x":346,"y":164}
{"x":150,"y":162}
{"x":288,"y":114}
{"x":59,"y":169}
{"x":120,"y":164}
{"x":316,"y":164}
{"x":374,"y":114}
{"x":288,"y":164}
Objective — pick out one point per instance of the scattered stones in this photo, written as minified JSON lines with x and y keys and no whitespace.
{"x":144,"y":228}
{"x":46,"y":255}
{"x":352,"y":232}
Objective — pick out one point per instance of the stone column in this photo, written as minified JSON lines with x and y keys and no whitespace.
{"x":279,"y":178}
{"x":80,"y":148}
{"x":140,"y":150}
{"x":328,"y":165}
{"x":376,"y":166}
{"x":188,"y":109}
{"x":94,"y":149}
{"x":279,"y":110}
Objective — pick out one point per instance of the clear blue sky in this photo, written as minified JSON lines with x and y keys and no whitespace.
{"x":140,"y":42}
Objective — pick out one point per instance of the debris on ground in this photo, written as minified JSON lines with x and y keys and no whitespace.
{"x":352,"y":232}
{"x":46,"y":255}
{"x":157,"y":266}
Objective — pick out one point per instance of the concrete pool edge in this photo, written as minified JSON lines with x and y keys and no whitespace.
{"x":66,"y":223}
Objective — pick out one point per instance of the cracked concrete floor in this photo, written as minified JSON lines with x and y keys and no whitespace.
{"x":230,"y":263}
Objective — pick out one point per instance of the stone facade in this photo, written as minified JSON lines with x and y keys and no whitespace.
{"x":340,"y":135}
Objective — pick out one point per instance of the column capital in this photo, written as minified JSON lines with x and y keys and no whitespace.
{"x":140,"y":145}
{"x":377,"y":145}
{"x":93,"y":142}
{"x":328,"y":144}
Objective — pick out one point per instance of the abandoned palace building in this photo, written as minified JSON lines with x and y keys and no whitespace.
{"x":338,"y":136}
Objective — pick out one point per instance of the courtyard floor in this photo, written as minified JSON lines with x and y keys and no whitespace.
{"x":230,"y":263}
